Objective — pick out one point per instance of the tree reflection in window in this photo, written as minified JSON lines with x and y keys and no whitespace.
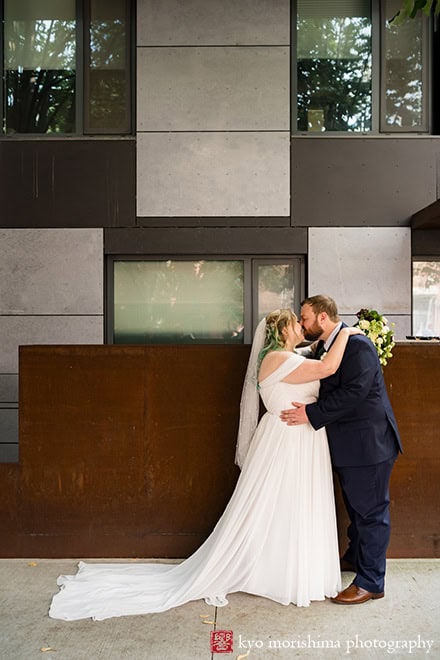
{"x":198,"y":302}
{"x":426,"y":298}
{"x":403,"y":74}
{"x":40,"y":68}
{"x":333,"y":68}
{"x":108,"y":83}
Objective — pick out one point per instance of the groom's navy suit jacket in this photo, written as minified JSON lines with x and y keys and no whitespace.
{"x":354,"y":407}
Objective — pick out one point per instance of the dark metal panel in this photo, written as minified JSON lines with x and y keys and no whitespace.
{"x":206,"y":240}
{"x":237,"y":221}
{"x":67,"y":183}
{"x":354,"y":181}
{"x":427,"y":218}
{"x":425,"y":243}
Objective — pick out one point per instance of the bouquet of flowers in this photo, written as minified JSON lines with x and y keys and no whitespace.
{"x":375,"y":327}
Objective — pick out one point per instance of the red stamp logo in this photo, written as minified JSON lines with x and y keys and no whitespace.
{"x":221,"y":641}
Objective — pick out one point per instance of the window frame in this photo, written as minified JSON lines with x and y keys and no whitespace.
{"x":82,"y":96}
{"x":86,"y":72}
{"x":250,"y":283}
{"x":378,"y":105}
{"x":425,"y":126}
{"x":415,"y":259}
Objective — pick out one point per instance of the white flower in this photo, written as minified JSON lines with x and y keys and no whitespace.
{"x":376,"y":328}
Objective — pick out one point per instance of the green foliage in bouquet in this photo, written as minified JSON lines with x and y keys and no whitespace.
{"x":375,"y":327}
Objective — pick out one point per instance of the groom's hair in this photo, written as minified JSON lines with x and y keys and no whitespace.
{"x":323,"y":304}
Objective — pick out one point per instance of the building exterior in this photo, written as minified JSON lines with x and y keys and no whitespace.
{"x":204,"y":148}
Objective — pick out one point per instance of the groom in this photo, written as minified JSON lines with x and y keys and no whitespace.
{"x":364,"y":443}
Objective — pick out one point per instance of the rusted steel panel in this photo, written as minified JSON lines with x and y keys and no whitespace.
{"x":413,"y":380}
{"x":127,"y":451}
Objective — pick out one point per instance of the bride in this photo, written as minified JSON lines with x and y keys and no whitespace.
{"x":277,"y":537}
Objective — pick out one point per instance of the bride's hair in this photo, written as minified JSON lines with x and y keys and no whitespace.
{"x":275,"y":323}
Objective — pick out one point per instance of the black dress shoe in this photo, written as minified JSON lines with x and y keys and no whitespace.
{"x":347,"y":566}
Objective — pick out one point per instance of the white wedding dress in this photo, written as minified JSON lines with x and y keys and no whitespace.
{"x":277,"y":537}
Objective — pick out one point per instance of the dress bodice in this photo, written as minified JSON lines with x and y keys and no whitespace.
{"x":277,"y":395}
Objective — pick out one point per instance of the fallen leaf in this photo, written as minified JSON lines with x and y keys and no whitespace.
{"x":44,"y":649}
{"x":245,"y":655}
{"x":211,"y":623}
{"x":32,"y":563}
{"x":203,"y":616}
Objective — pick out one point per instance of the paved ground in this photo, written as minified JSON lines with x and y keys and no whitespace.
{"x":405,"y":624}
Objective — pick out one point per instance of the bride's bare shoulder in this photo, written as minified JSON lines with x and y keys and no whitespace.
{"x":272,"y":361}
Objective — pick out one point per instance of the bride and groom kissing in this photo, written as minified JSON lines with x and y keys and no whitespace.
{"x":277,"y":537}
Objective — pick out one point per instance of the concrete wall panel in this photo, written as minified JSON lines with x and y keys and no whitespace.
{"x":9,"y":453}
{"x":51,"y":271}
{"x":350,"y":181}
{"x":8,"y":425}
{"x":8,"y":388}
{"x":18,"y":330}
{"x":187,"y":89}
{"x":173,"y":22}
{"x":208,"y":174}
{"x":362,"y":267}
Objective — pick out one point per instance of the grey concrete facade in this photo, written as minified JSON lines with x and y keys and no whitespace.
{"x":221,"y":171}
{"x":51,"y":292}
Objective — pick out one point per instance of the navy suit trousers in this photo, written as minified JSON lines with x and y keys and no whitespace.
{"x":366,"y":495}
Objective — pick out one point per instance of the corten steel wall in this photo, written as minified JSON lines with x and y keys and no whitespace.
{"x":128,"y":451}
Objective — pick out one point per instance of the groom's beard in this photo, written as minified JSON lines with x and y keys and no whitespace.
{"x":314,"y":332}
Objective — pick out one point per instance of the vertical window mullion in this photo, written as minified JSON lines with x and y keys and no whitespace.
{"x":426,"y":75}
{"x":2,"y":55}
{"x":376,"y":63}
{"x":293,"y":69}
{"x":252,"y":280}
{"x":81,"y":30}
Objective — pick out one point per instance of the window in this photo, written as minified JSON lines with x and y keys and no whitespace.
{"x":66,"y":67}
{"x":197,"y":301}
{"x":358,"y":73}
{"x":426,"y":298}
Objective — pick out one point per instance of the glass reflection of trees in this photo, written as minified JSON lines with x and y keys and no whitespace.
{"x":108,"y":75}
{"x":178,"y":302}
{"x":337,"y":82}
{"x":41,"y":59}
{"x":276,"y":288}
{"x":40,"y":98}
{"x":403,"y":74}
{"x":426,"y":298}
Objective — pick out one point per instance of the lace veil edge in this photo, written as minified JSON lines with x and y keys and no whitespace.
{"x":250,"y":398}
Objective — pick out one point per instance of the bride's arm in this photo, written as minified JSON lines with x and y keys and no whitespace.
{"x":316,"y":369}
